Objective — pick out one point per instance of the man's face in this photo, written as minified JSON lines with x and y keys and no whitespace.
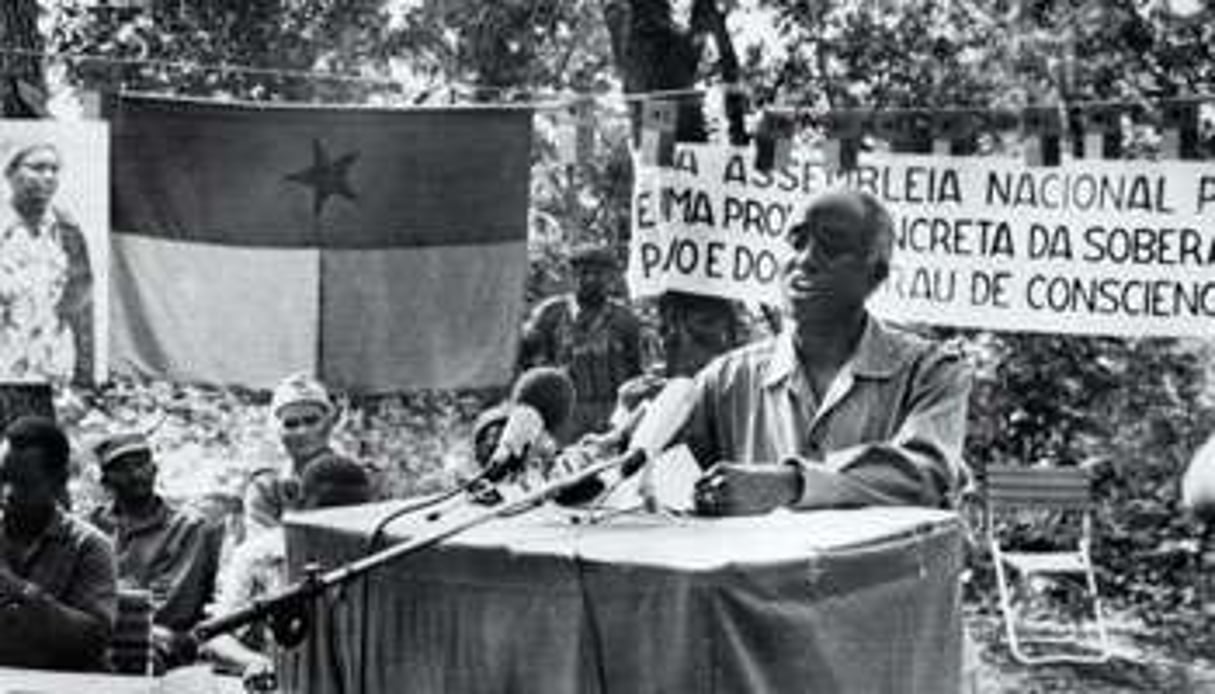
{"x":304,"y":428}
{"x":27,"y":490}
{"x":692,"y":338}
{"x":36,"y":178}
{"x":830,"y":269}
{"x":131,"y":478}
{"x":591,"y":283}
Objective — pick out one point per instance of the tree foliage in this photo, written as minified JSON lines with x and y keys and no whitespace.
{"x":20,"y":64}
{"x":1133,"y":410}
{"x":182,"y":48}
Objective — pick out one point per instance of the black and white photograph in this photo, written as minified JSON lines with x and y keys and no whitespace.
{"x":590,"y":346}
{"x":55,"y":254}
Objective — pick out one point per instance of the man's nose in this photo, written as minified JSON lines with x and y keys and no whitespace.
{"x":804,"y":259}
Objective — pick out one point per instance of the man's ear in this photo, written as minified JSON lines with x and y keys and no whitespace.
{"x":336,"y":412}
{"x":880,"y":271}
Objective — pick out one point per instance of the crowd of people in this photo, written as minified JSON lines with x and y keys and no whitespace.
{"x":62,"y":577}
{"x":837,"y":409}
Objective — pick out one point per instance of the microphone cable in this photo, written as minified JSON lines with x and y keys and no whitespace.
{"x":373,"y":541}
{"x":468,"y":487}
{"x":364,"y":637}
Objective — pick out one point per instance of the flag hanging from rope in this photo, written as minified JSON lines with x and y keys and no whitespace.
{"x":381,"y":249}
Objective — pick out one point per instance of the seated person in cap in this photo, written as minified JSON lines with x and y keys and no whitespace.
{"x":596,"y":338}
{"x":259,"y":566}
{"x":839,"y":409}
{"x":305,"y":416}
{"x":58,"y":591}
{"x":171,"y":552}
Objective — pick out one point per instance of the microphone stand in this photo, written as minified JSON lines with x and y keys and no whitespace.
{"x":288,"y":610}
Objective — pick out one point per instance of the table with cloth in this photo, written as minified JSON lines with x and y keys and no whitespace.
{"x":197,"y":679}
{"x":863,"y":600}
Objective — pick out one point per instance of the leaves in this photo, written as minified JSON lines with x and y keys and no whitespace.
{"x":208,"y":440}
{"x":1133,"y":411}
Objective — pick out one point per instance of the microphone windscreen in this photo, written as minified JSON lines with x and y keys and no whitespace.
{"x":550,"y":391}
{"x":524,"y":426}
{"x":665,"y":415}
{"x":581,"y":493}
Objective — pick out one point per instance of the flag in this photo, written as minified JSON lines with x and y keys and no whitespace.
{"x":380,"y":249}
{"x":657,"y":144}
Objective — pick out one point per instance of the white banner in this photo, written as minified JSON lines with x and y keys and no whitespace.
{"x":1089,"y":247}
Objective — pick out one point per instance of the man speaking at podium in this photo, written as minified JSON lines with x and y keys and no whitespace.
{"x":840,"y":409}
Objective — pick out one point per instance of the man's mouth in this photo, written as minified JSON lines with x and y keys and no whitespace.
{"x":801,"y":285}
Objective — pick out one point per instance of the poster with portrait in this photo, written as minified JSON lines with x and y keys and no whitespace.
{"x":54,"y":251}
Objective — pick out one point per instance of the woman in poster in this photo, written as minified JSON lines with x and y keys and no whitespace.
{"x":46,"y":284}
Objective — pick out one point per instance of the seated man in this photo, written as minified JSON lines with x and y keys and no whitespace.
{"x":839,"y":409}
{"x":174,"y":553}
{"x":57,"y":584}
{"x":305,"y":417}
{"x":259,"y":566}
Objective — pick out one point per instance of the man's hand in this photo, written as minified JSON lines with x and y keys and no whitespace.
{"x":258,"y":676}
{"x":11,"y":585}
{"x":638,"y":389}
{"x":731,"y":489}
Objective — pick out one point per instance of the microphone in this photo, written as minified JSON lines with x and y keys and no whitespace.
{"x":541,"y":402}
{"x":659,"y":423}
{"x":665,"y":416}
{"x":1198,"y":482}
{"x":650,"y":428}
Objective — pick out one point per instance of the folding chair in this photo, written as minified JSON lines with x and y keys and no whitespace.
{"x":1058,"y":494}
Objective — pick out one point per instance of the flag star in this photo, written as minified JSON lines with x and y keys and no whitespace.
{"x":327,"y":177}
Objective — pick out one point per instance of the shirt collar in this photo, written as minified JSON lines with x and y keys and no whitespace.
{"x":156,"y":519}
{"x":288,"y":467}
{"x":878,"y":355}
{"x":56,"y":531}
{"x":10,"y":222}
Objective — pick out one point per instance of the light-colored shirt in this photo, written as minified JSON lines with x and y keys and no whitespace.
{"x":257,"y":569}
{"x":893,"y":420}
{"x":271,"y":492}
{"x":34,"y":342}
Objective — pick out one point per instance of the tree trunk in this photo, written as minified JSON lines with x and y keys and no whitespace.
{"x":19,"y":32}
{"x":653,"y":54}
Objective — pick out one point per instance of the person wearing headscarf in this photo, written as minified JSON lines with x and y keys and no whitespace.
{"x":304,"y":416}
{"x":46,"y":284}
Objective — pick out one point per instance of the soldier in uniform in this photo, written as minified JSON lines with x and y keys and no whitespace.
{"x":595,"y":337}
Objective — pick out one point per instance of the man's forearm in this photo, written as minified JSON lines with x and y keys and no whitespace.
{"x":230,"y":654}
{"x":61,"y":629}
{"x":825,"y":486}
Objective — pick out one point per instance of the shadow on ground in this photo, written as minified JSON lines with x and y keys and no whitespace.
{"x":1136,"y":666}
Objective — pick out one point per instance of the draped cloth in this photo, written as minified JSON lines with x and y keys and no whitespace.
{"x":832,"y":601}
{"x":380,"y":249}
